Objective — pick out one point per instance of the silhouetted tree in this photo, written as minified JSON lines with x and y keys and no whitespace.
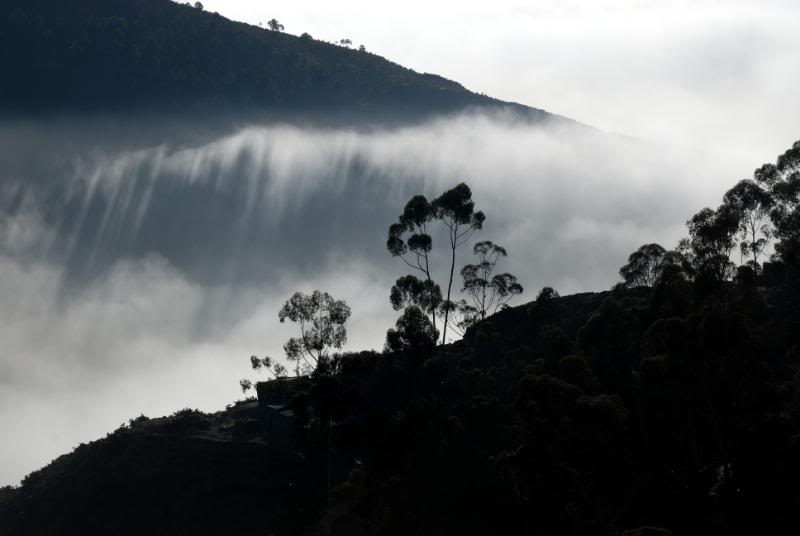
{"x":456,"y":210}
{"x":345,"y":42}
{"x":712,"y":236}
{"x":462,"y":315}
{"x":410,"y":290}
{"x":321,"y":320}
{"x":644,"y":266}
{"x":413,"y":335}
{"x":788,"y":230}
{"x":362,"y":48}
{"x":672,"y":291}
{"x":266,"y":363}
{"x":782,"y":181}
{"x":275,"y":26}
{"x":246,"y":385}
{"x":488,"y":291}
{"x":198,"y":5}
{"x":414,"y":251}
{"x":270,"y":365}
{"x":753,"y":205}
{"x":547,"y":294}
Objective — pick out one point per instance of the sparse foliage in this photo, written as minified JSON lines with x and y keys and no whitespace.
{"x":275,"y":368}
{"x":753,"y":205}
{"x":782,"y":181}
{"x":410,"y":241}
{"x":488,"y":291}
{"x":321,"y":320}
{"x":274,"y":25}
{"x":245,"y":384}
{"x":644,"y":266}
{"x":278,"y":370}
{"x":712,"y":237}
{"x":462,"y":315}
{"x":456,"y":210}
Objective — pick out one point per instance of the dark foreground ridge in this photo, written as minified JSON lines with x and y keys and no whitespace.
{"x":190,"y":473}
{"x":119,"y":55}
{"x":644,"y":411}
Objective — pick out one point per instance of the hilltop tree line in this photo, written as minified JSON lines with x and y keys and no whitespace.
{"x":159,"y":55}
{"x":321,"y":318}
{"x":752,"y":213}
{"x":668,"y":405}
{"x":275,"y":26}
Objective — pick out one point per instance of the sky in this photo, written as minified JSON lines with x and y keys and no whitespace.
{"x":117,"y":298}
{"x":718,"y":74}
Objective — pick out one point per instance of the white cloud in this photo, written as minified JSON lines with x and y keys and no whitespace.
{"x":154,"y":326}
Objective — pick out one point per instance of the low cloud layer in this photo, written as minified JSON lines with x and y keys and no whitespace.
{"x":140,"y":280}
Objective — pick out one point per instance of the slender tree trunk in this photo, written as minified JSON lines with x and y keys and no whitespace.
{"x":424,"y":230}
{"x":486,"y":274}
{"x":449,"y":286}
{"x":428,"y":274}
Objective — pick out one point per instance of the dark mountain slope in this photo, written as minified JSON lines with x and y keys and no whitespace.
{"x":107,"y":54}
{"x":190,"y":473}
{"x":599,"y":413}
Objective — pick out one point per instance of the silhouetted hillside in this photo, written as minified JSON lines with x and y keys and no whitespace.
{"x":606,"y":413}
{"x":189,"y":473}
{"x":666,"y":406}
{"x":119,"y":54}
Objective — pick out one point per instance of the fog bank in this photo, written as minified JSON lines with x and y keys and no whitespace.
{"x":139,"y":277}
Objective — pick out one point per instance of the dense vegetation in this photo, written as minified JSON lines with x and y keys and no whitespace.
{"x":671,"y":401}
{"x":158,"y":54}
{"x":189,"y":473}
{"x":667,"y":405}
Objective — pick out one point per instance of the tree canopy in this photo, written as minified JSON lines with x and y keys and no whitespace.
{"x":321,"y":321}
{"x":487,"y":290}
{"x":456,"y":210}
{"x":410,"y":240}
{"x":644,"y":266}
{"x":275,"y":26}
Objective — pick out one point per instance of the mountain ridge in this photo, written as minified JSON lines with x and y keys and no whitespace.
{"x":157,"y":54}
